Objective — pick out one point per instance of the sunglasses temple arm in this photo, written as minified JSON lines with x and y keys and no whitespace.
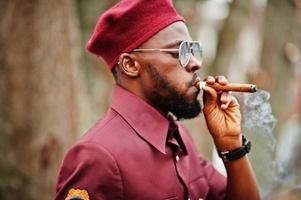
{"x":164,"y":50}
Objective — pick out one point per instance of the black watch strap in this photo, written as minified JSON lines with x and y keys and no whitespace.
{"x":236,"y":153}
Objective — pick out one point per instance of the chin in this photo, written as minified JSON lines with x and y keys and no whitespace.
{"x":187,"y":109}
{"x":192,"y":95}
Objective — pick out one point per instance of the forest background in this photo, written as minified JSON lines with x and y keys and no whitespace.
{"x":52,"y":90}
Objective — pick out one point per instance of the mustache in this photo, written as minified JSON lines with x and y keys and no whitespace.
{"x":196,"y":78}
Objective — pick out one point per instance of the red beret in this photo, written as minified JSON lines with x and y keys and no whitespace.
{"x":129,"y":24}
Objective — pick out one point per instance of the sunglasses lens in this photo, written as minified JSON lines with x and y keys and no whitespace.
{"x":184,"y":54}
{"x":190,"y":48}
{"x":196,"y":50}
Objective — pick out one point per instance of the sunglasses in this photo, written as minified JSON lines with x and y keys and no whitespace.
{"x":185,"y":51}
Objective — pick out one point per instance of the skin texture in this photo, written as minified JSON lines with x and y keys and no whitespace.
{"x":143,"y":72}
{"x":177,"y":102}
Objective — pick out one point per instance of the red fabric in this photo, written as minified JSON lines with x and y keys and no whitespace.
{"x":129,"y":24}
{"x":126,"y":156}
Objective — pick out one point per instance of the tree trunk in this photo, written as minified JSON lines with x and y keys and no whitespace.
{"x":39,"y":111}
{"x":282,"y":28}
{"x":228,"y":37}
{"x":281,"y":62}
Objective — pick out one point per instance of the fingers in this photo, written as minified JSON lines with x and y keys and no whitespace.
{"x":210,"y":94}
{"x":221,"y":80}
{"x":224,"y":98}
{"x":210,"y":80}
{"x":227,"y":100}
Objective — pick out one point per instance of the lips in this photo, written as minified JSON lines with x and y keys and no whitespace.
{"x":196,"y":78}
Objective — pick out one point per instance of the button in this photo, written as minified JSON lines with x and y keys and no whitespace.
{"x":177,"y":158}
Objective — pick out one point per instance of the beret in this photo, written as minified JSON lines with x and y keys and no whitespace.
{"x":129,"y":24}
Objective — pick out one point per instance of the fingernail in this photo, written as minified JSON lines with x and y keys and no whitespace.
{"x":210,"y":78}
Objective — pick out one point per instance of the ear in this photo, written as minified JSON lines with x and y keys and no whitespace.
{"x":129,"y":65}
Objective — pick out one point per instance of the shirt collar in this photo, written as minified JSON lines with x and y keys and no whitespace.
{"x":146,"y":120}
{"x":174,"y":136}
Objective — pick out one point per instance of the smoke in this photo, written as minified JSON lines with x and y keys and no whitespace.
{"x":257,"y":115}
{"x":288,"y":156}
{"x":257,"y":124}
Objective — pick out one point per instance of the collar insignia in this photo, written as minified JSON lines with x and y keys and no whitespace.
{"x":77,"y":194}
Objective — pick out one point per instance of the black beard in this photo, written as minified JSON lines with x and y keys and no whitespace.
{"x":173,"y":101}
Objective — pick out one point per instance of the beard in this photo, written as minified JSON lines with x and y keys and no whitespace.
{"x":172,"y":101}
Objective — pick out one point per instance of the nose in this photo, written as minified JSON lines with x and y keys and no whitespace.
{"x":194,"y":64}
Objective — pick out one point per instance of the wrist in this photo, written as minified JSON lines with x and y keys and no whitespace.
{"x":229,"y":143}
{"x":238,"y":152}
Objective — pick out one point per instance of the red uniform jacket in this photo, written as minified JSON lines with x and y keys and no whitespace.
{"x":126,"y":156}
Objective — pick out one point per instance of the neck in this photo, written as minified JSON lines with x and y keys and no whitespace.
{"x":135,"y":89}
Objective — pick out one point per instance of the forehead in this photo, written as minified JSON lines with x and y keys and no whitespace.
{"x":170,"y":36}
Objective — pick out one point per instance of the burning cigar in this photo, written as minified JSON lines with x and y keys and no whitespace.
{"x":235,"y":87}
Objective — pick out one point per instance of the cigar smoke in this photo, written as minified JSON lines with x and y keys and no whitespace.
{"x":258,"y":123}
{"x":288,"y":172}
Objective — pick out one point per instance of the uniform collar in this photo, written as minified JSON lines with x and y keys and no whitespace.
{"x":149,"y":123}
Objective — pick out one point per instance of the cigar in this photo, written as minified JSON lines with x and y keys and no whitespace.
{"x":234,"y":87}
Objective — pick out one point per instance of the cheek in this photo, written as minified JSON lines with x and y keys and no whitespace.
{"x":170,"y":69}
{"x":181,"y":78}
{"x":182,"y":82}
{"x":166,"y":61}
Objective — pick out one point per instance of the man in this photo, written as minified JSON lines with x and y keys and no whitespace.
{"x":138,"y":151}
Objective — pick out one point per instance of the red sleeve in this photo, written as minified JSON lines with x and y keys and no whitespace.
{"x":89,"y":169}
{"x":217,"y":182}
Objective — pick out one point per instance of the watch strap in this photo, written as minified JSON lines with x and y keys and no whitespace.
{"x":236,"y":153}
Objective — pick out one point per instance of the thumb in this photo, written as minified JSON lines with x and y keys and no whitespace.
{"x":209,"y":97}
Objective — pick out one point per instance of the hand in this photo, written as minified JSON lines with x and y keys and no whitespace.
{"x":223,"y":118}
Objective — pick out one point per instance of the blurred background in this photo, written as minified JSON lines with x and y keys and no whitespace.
{"x":52,"y":90}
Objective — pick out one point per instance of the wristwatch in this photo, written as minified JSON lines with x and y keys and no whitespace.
{"x":236,"y":153}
